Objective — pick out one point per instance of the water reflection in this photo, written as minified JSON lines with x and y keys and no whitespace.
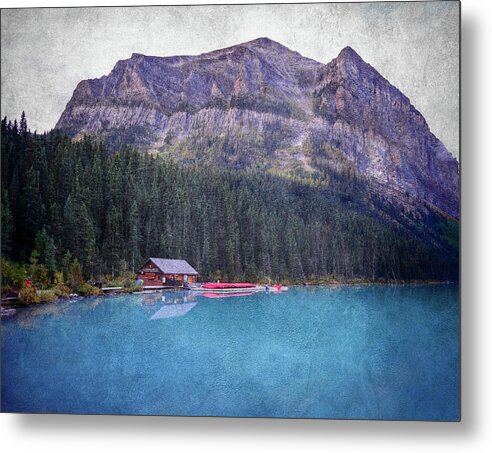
{"x":224,"y":295}
{"x":175,"y":304}
{"x":179,"y":304}
{"x":27,"y":316}
{"x":173,"y":311}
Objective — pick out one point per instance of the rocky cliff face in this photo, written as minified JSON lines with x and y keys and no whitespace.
{"x":378,"y":128}
{"x":262,"y":103}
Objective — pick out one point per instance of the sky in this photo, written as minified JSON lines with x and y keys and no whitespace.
{"x":415,"y":45}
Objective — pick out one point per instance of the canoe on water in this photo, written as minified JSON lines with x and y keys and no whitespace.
{"x":228,"y":285}
{"x":277,"y":289}
{"x":236,"y":288}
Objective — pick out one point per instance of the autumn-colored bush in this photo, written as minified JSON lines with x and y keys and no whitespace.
{"x":28,"y":295}
{"x":60,"y":289}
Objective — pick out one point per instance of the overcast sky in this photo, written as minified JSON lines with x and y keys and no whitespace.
{"x":415,"y":45}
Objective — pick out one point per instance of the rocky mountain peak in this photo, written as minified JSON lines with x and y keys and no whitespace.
{"x":266,"y":102}
{"x":265,"y":42}
{"x":348,"y":53}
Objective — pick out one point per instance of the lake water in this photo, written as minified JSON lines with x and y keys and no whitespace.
{"x":378,"y":352}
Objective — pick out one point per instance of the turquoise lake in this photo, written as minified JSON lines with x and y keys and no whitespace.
{"x":363,"y":352}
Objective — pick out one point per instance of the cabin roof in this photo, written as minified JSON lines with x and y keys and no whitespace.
{"x":173,"y":266}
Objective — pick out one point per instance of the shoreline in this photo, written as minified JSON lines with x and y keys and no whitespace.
{"x":7,"y":305}
{"x":9,"y":309}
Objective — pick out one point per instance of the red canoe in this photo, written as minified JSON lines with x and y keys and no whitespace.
{"x":228,"y":285}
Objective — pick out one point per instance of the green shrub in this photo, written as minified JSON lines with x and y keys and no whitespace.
{"x":112,"y":282}
{"x":28,"y":295}
{"x":13,"y":275}
{"x":131,"y":287}
{"x":85,"y":289}
{"x":47,"y":296}
{"x":125,"y":279}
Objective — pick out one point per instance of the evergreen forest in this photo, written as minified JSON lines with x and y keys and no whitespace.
{"x":64,"y":200}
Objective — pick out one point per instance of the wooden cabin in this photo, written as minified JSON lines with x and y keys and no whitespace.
{"x":166,"y":272}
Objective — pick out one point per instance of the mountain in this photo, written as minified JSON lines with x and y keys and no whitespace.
{"x":260,"y":104}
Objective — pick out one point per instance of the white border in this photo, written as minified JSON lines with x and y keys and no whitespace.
{"x":50,"y":433}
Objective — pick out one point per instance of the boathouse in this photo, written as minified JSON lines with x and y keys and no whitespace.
{"x":166,"y":272}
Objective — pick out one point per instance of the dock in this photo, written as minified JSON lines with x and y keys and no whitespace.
{"x":161,"y":287}
{"x":10,"y":298}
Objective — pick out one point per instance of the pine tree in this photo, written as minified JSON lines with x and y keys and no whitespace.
{"x":32,"y":208}
{"x":23,"y":124}
{"x":75,"y":278}
{"x":70,"y":227}
{"x":65,"y":264}
{"x":7,"y":226}
{"x":134,"y":238}
{"x":86,"y":241}
{"x":45,"y":251}
{"x":112,"y":241}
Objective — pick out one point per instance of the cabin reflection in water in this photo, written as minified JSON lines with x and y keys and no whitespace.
{"x":173,"y":311}
{"x":179,"y":304}
{"x":175,"y":305}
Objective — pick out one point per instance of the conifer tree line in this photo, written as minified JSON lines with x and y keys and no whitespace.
{"x":63,"y":199}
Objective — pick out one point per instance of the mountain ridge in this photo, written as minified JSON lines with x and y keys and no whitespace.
{"x":261,"y":103}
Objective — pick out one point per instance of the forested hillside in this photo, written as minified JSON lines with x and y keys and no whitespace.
{"x":63,"y":200}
